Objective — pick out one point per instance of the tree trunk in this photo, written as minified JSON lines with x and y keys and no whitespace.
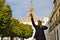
{"x":11,"y":38}
{"x":22,"y":38}
{"x":1,"y":38}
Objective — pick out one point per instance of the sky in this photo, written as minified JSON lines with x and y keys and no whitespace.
{"x":20,"y":8}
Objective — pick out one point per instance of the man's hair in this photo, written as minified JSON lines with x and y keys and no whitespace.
{"x":40,"y":21}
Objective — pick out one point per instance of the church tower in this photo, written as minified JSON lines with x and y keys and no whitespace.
{"x":31,"y":11}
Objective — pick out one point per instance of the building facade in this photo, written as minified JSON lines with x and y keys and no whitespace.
{"x":54,"y":22}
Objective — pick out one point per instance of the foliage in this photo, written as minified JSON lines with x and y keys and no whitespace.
{"x":21,"y":30}
{"x":2,"y":3}
{"x":26,"y":30}
{"x":14,"y":25}
{"x":5,"y":18}
{"x":11,"y":26}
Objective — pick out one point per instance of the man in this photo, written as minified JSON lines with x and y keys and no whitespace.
{"x":39,"y":35}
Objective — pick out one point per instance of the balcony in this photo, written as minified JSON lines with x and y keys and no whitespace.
{"x":51,"y":26}
{"x":55,"y":24}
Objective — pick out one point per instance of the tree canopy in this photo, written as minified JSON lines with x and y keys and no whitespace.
{"x":21,"y":30}
{"x":5,"y":18}
{"x":10,"y":26}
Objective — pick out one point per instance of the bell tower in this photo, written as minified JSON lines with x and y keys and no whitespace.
{"x":31,"y":11}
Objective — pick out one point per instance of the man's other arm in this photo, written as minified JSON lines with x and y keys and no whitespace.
{"x":45,"y":27}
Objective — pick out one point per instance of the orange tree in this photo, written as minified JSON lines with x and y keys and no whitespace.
{"x":5,"y":18}
{"x":20,"y":30}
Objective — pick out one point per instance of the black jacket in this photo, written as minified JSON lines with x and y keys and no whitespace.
{"x":39,"y":35}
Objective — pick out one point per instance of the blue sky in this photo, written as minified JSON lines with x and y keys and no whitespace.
{"x":20,"y":8}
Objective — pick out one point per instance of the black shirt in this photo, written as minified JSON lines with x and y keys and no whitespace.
{"x":39,"y":35}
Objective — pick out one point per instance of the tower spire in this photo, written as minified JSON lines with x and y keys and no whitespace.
{"x":31,"y":1}
{"x":31,"y":7}
{"x":31,"y":11}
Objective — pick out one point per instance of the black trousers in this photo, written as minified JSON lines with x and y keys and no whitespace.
{"x":40,"y":38}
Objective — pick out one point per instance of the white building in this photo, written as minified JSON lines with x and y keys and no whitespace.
{"x":54,"y":22}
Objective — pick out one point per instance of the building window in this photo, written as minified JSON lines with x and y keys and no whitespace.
{"x":56,"y":15}
{"x":59,"y":15}
{"x":54,"y":34}
{"x":57,"y":35}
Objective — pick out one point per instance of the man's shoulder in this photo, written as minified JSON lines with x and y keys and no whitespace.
{"x":44,"y":26}
{"x":36,"y":25}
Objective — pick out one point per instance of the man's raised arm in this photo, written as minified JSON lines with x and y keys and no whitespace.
{"x":32,"y":20}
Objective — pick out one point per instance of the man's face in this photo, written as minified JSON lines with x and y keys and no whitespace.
{"x":39,"y":23}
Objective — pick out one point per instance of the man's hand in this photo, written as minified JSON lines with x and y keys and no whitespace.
{"x":31,"y":15}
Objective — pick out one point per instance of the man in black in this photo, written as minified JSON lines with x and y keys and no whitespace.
{"x":39,"y":35}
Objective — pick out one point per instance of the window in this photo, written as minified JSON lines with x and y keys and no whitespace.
{"x":57,"y":35}
{"x":59,"y":15}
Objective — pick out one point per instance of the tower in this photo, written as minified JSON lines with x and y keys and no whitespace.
{"x":31,"y":11}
